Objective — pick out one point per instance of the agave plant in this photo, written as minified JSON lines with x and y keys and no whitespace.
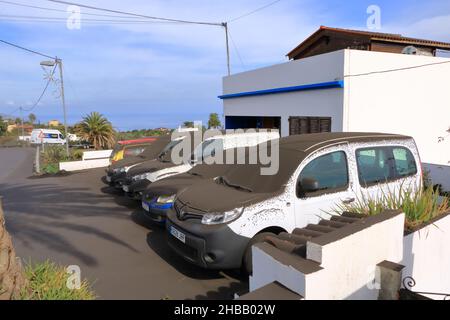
{"x":96,"y":129}
{"x":419,"y":206}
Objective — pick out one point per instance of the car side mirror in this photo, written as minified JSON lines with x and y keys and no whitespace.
{"x":307,"y":185}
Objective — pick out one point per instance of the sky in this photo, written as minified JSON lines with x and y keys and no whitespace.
{"x":154,"y":74}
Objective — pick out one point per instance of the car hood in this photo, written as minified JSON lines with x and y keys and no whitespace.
{"x":207,"y":196}
{"x":129,"y":161}
{"x":171,"y":185}
{"x":149,"y":166}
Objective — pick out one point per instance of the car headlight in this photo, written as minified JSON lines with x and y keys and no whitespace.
{"x":123,"y":169}
{"x":139,"y":177}
{"x":166,"y":199}
{"x":216,"y":218}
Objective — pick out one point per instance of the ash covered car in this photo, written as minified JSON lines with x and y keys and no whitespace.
{"x":159,"y":197}
{"x":141,"y":176}
{"x":116,"y":172}
{"x":214,"y":224}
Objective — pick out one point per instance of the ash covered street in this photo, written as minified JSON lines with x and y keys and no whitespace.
{"x":78,"y":220}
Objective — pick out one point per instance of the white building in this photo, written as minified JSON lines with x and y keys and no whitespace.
{"x":351,"y":90}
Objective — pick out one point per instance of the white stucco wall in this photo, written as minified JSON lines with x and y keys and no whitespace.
{"x":349,"y":265}
{"x":322,"y":102}
{"x":414,"y":102}
{"x":426,"y":257}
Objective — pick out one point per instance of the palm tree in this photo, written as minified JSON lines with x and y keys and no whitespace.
{"x":96,"y":129}
{"x":32,"y":118}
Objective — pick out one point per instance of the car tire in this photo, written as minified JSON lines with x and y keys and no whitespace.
{"x":247,"y":267}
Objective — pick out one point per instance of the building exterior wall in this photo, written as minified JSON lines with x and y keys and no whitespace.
{"x":318,"y":102}
{"x":413,"y":101}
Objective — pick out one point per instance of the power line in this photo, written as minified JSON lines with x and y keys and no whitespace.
{"x":137,"y":15}
{"x":235,"y":48}
{"x":58,"y":19}
{"x":396,"y":69}
{"x":50,"y":78}
{"x":254,"y":11}
{"x":29,"y":50}
{"x":64,"y":11}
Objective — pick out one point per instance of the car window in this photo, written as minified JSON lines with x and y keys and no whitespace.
{"x":329,"y":170}
{"x":374,"y":165}
{"x":405,"y":164}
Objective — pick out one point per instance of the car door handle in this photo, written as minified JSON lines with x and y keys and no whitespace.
{"x":348,"y":200}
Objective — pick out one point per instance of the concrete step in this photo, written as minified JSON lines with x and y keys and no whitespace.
{"x":287,"y":246}
{"x":320,"y":228}
{"x":297,"y":239}
{"x":308,"y":233}
{"x":344,"y":219}
{"x":331,"y":223}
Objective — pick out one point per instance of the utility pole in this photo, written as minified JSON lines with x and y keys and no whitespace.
{"x":52,"y":63}
{"x":59,"y":62}
{"x":225,"y":25}
{"x":23,"y":130}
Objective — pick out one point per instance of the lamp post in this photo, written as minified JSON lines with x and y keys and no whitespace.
{"x":52,"y":63}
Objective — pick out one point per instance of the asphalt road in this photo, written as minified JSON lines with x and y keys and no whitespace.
{"x":78,"y":220}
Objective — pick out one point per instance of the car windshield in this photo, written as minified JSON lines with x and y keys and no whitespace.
{"x":165,"y":153}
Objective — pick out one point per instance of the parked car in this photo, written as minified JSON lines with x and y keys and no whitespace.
{"x":128,"y":148}
{"x":215,"y":223}
{"x":141,"y":176}
{"x":159,"y":196}
{"x":116,"y":171}
{"x":47,"y":136}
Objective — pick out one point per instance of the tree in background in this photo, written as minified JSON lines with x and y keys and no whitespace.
{"x":214,"y":121}
{"x":3,"y":126}
{"x":188,"y":124}
{"x":97,"y":130}
{"x":32,"y":118}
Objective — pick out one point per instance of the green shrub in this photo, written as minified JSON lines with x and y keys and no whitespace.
{"x":419,"y":207}
{"x":48,"y":281}
{"x":54,"y":154}
{"x":51,"y":168}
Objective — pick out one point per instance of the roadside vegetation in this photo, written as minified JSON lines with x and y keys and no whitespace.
{"x":54,"y":154}
{"x":48,"y":281}
{"x":419,"y":207}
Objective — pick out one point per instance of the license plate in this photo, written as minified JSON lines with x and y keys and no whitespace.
{"x":178,"y":234}
{"x":126,"y":188}
{"x":108,"y":178}
{"x":145,"y":206}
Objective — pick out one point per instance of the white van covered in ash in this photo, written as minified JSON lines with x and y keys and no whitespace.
{"x":215,"y":222}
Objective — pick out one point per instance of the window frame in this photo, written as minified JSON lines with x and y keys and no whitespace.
{"x":305,"y":195}
{"x":391,"y":164}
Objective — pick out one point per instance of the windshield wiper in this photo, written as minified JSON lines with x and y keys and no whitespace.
{"x":195,"y":174}
{"x":237,"y":186}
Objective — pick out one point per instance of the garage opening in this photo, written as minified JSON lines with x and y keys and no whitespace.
{"x":247,"y":122}
{"x":301,"y":125}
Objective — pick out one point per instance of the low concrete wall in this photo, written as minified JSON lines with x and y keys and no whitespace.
{"x":91,"y":160}
{"x":83,"y":165}
{"x":426,"y":257}
{"x":100,"y":154}
{"x":342,"y":265}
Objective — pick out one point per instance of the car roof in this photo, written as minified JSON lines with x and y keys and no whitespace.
{"x":311,"y":142}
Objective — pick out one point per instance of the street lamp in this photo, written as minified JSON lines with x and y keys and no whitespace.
{"x":51,"y":63}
